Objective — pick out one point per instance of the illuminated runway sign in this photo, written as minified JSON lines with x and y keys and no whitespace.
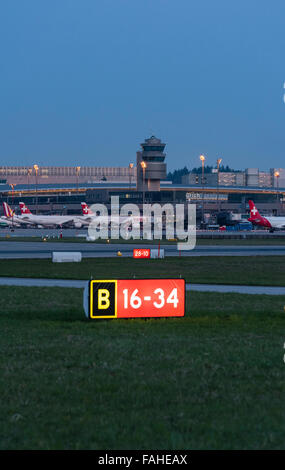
{"x":141,"y":253}
{"x":135,"y":298}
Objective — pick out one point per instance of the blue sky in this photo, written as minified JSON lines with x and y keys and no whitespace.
{"x":84,"y":82}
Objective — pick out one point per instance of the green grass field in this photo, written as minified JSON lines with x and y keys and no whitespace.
{"x":211,"y":380}
{"x":243,"y":270}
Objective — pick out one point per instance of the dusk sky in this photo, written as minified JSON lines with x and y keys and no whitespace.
{"x":84,"y":82}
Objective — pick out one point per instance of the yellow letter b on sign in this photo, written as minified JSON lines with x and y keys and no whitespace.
{"x":103,"y":299}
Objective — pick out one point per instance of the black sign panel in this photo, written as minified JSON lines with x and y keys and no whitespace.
{"x":103,"y":299}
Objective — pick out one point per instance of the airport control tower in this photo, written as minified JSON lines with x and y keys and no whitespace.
{"x":150,"y":165}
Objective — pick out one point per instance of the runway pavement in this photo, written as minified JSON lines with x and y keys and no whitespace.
{"x":42,"y":249}
{"x":21,"y":249}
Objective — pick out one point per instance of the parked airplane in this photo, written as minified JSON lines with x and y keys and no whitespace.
{"x":272,"y":223}
{"x":88,"y":216}
{"x":44,"y":220}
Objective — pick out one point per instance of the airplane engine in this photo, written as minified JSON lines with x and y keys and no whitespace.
{"x":77,"y":224}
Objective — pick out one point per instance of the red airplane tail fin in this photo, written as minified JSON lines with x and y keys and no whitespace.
{"x":85,"y":209}
{"x":24,"y":209}
{"x":254,"y":214}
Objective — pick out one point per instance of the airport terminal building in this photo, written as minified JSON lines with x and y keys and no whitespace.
{"x":60,"y":190}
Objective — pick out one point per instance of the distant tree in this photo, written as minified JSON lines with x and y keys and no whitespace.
{"x":176,"y":175}
{"x":226,"y":169}
{"x":207,"y":169}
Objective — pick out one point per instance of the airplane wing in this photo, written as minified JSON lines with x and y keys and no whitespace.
{"x":61,"y":223}
{"x":86,"y":219}
{"x":24,"y":220}
{"x":65,"y":222}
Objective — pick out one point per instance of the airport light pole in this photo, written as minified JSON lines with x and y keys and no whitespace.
{"x":77,"y":176}
{"x":29,"y":172}
{"x":13,"y":188}
{"x":202,"y":158}
{"x":277,"y":175}
{"x":143,"y":165}
{"x":131,"y":166}
{"x":13,"y":211}
{"x":219,"y":160}
{"x":36,"y":168}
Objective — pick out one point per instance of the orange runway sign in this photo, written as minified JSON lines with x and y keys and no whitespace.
{"x":136,"y":298}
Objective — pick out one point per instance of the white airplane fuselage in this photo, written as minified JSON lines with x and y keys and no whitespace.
{"x":45,"y":220}
{"x":276,"y":222}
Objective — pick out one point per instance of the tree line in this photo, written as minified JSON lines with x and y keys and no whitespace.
{"x":176,"y":175}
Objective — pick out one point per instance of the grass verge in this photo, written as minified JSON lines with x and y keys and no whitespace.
{"x":242,"y":270}
{"x":211,"y":380}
